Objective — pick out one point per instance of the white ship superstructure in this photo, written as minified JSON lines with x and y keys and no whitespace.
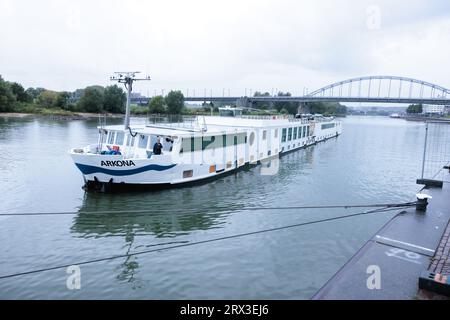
{"x":208,"y":147}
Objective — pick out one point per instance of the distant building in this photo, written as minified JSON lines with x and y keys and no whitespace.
{"x":433,"y":109}
{"x":136,"y":95}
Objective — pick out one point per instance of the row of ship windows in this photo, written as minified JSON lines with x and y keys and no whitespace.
{"x":201,"y":143}
{"x":295,"y":133}
{"x":212,"y":142}
{"x":190,"y":144}
{"x":119,"y":138}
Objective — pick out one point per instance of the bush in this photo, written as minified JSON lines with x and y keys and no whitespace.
{"x":47,"y":99}
{"x":20,"y":93}
{"x":114,"y":100}
{"x":92,"y":100}
{"x":62,"y":100}
{"x":414,"y":108}
{"x":175,"y":102}
{"x":156,"y":105}
{"x":7,"y":98}
{"x":138,"y":110}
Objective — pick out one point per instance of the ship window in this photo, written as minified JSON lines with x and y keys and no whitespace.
{"x":191,"y":144}
{"x":208,"y":142}
{"x":188,"y":174}
{"x":304,"y":132}
{"x":212,"y":142}
{"x":276,"y":133}
{"x":264,"y":137}
{"x":252,"y":138}
{"x":327,"y":126}
{"x":229,"y":140}
{"x":283,"y":136}
{"x":295,"y":133}
{"x":143,"y":141}
{"x":111,"y":137}
{"x":307,"y":131}
{"x":119,"y":138}
{"x":290,"y":134}
{"x":130,"y":140}
{"x":241,"y":138}
{"x":196,"y":144}
{"x":185,"y":145}
{"x":235,"y":139}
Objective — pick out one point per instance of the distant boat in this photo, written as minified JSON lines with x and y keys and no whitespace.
{"x":395,"y":115}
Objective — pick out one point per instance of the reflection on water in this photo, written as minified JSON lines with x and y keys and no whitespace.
{"x":163,"y":221}
{"x":375,"y":160}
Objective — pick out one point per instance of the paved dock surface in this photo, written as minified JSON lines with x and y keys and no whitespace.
{"x":408,"y":244}
{"x":441,"y":262}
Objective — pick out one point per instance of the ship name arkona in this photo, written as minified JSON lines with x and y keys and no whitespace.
{"x":123,"y":163}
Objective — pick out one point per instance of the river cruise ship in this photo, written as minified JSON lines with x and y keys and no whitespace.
{"x":205,"y":148}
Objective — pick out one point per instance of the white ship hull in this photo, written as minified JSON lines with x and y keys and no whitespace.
{"x":227,"y":145}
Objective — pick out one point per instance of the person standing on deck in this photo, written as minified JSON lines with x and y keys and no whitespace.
{"x":157,"y":148}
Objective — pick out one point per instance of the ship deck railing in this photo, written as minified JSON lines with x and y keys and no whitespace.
{"x":176,"y":122}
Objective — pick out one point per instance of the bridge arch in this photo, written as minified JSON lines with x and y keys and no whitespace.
{"x":393,"y":86}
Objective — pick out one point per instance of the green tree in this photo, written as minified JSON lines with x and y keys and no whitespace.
{"x":62,"y":100}
{"x":114,"y":99}
{"x":47,"y":99}
{"x":92,"y":99}
{"x":156,"y":105}
{"x":34,"y":93}
{"x":341,"y":109}
{"x":7,"y":98}
{"x":20,"y":93}
{"x":261,"y":104}
{"x":317,"y":107}
{"x":175,"y":102}
{"x":414,"y":108}
{"x":289,"y":107}
{"x":327,"y":108}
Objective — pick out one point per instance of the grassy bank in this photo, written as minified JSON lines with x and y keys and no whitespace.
{"x":54,"y":113}
{"x":21,"y":110}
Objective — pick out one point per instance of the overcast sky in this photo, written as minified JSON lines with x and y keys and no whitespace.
{"x":258,"y":45}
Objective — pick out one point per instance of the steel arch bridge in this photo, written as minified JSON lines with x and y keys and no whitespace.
{"x":373,"y":89}
{"x":393,"y":87}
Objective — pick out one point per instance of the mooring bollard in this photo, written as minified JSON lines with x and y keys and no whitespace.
{"x":422,"y":201}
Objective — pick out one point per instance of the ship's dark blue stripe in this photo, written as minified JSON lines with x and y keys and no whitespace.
{"x":85,"y":169}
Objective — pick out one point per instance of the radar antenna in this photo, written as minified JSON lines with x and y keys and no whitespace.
{"x":127,"y":78}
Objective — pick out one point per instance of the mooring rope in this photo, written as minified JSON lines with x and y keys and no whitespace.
{"x":217,"y":209}
{"x":385,"y":209}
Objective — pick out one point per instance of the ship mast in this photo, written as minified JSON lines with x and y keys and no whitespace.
{"x":127,"y":78}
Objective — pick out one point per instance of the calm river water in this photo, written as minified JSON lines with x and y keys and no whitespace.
{"x":375,"y":160}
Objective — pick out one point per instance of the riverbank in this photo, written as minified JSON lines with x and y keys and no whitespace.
{"x":425,"y":119}
{"x":63,"y":116}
